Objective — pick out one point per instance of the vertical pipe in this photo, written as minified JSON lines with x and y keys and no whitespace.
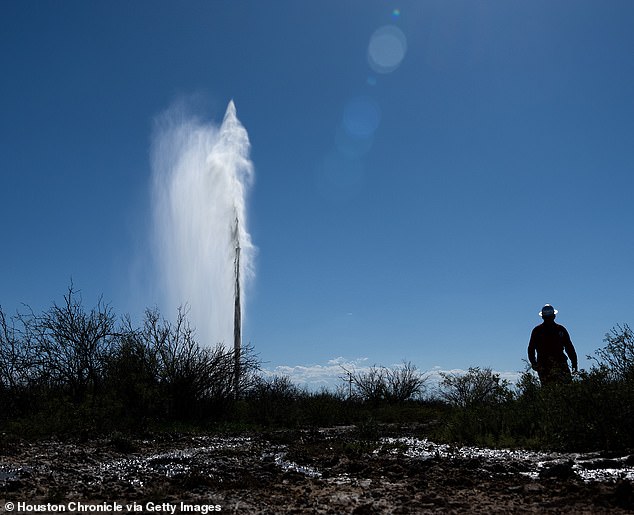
{"x":237,"y":315}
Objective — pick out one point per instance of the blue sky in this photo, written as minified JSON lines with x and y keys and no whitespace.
{"x":424,"y":209}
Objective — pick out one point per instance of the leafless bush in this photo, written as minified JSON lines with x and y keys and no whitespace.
{"x":618,"y":354}
{"x":398,"y":384}
{"x":14,"y":362}
{"x":67,"y":346}
{"x":368,"y":385}
{"x":274,"y":387}
{"x":191,"y":373}
{"x":68,"y":360}
{"x":403,"y":383}
{"x":477,"y":386}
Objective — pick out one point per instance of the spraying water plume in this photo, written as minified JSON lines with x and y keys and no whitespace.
{"x":201,"y":177}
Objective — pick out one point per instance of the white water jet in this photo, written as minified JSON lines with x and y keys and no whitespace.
{"x":201,"y":177}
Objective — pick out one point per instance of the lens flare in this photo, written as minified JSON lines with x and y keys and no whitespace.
{"x":361,"y":117}
{"x":387,"y":49}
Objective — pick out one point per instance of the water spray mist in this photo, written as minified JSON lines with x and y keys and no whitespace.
{"x":202,"y":174}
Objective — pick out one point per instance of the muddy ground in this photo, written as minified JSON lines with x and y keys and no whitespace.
{"x":333,"y":471}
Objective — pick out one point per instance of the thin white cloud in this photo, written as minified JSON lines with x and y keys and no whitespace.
{"x":331,"y":375}
{"x":314,"y":377}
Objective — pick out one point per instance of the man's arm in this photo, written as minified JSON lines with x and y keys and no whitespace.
{"x":532,"y":349}
{"x":570,"y":350}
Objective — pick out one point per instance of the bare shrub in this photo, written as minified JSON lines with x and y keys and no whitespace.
{"x":16,"y":361}
{"x":70,"y":345}
{"x":369,"y":385}
{"x":403,"y":383}
{"x":477,"y":386}
{"x":394,"y":385}
{"x":191,"y":374}
{"x":273,"y":400}
{"x":132,"y":378}
{"x":278,"y":387}
{"x":618,"y":354}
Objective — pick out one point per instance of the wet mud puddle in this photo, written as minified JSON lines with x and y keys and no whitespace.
{"x":587,"y":466}
{"x":311,"y":471}
{"x":212,"y":460}
{"x":221,"y":460}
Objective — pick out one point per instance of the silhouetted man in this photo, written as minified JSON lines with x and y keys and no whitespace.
{"x":546,"y":349}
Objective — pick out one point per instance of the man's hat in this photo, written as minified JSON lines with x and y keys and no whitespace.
{"x":548,"y":311}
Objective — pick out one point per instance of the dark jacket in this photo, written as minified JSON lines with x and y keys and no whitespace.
{"x":548,"y":341}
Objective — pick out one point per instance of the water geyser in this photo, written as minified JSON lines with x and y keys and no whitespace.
{"x":204,"y":255}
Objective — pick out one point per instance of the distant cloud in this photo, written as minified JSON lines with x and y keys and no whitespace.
{"x":331,"y":374}
{"x":315,"y":377}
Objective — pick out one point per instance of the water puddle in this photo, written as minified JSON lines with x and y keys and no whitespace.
{"x":204,"y":458}
{"x":589,"y":466}
{"x":229,"y":460}
{"x":9,"y":474}
{"x":279,"y":458}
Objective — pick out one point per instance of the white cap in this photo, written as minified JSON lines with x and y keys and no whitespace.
{"x":548,"y":311}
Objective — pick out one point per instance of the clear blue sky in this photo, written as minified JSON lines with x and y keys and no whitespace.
{"x":422,"y":204}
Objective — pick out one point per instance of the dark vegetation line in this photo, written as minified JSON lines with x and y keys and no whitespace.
{"x":74,"y":372}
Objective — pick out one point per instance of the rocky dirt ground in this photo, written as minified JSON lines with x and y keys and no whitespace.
{"x":329,"y":471}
